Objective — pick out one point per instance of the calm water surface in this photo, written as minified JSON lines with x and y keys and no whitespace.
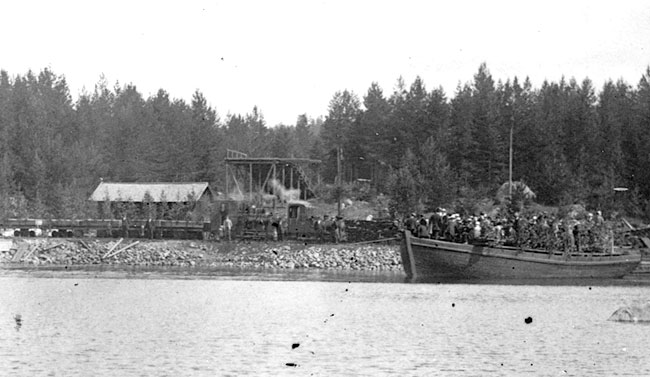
{"x":106,"y":323}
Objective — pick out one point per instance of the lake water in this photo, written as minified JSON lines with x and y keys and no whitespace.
{"x":143,"y":323}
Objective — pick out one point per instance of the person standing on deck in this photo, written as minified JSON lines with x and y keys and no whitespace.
{"x":452,"y":228}
{"x":435,"y":224}
{"x":576,"y":235}
{"x":570,"y":241}
{"x":411,"y":224}
{"x":423,"y":229}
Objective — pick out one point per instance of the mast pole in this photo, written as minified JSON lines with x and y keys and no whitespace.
{"x":338,"y":180}
{"x":510,"y":165}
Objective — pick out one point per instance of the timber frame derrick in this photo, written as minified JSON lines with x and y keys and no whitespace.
{"x":248,"y":176}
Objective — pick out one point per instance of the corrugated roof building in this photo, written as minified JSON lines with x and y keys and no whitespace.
{"x":113,"y":194}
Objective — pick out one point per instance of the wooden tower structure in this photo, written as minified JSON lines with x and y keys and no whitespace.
{"x":249,"y":176}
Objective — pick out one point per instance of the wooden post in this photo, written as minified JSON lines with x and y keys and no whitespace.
{"x":338,"y":181}
{"x":227,"y":179}
{"x":512,"y":126}
{"x":275,"y":179}
{"x":275,"y":176}
{"x":250,"y":181}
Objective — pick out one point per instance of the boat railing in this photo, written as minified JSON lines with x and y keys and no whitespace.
{"x":616,"y":251}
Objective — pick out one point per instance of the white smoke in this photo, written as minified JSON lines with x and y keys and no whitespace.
{"x":288,"y":195}
{"x":237,"y":196}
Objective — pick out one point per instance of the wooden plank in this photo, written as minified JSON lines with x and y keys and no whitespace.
{"x":85,"y":245}
{"x":407,"y":236}
{"x":19,"y":254}
{"x":113,"y":247}
{"x":30,"y":252}
{"x":375,"y":241}
{"x":124,"y":248}
{"x":627,"y":223}
{"x":52,"y":247}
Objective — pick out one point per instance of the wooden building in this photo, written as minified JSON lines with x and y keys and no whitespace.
{"x":153,"y":198}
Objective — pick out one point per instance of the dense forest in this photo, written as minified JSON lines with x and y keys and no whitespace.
{"x":571,"y":143}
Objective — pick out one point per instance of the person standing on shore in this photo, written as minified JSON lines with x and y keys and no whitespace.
{"x":149,"y":228}
{"x":125,"y":226}
{"x":227,"y":226}
{"x":339,"y":230}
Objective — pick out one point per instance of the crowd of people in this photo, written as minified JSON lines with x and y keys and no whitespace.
{"x":587,"y":233}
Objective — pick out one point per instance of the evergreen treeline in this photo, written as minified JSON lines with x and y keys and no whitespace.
{"x":571,"y":143}
{"x":53,"y":151}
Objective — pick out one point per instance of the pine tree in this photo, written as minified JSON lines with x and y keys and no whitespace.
{"x":372,"y":133}
{"x":343,"y":113}
{"x":205,"y":140}
{"x":438,"y":180}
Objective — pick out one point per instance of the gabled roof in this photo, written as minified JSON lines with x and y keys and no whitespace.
{"x":159,"y":192}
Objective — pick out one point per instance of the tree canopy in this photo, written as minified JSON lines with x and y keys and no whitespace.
{"x":572,"y":142}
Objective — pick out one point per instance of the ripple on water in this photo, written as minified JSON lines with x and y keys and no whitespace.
{"x":235,"y":326}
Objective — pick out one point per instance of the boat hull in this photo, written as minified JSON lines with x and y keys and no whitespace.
{"x":430,"y":260}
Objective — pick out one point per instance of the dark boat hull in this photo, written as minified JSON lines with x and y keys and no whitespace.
{"x":428,"y":260}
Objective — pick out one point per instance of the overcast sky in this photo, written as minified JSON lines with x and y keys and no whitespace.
{"x":290,"y":57}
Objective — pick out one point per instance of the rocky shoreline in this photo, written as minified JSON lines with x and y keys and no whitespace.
{"x":176,"y":253}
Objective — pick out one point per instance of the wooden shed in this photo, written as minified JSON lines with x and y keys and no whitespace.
{"x":159,"y":200}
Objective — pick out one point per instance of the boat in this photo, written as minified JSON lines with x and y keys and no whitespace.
{"x":432,"y":260}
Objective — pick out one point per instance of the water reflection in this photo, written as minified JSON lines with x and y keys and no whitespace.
{"x":233,"y":273}
{"x":207,"y":273}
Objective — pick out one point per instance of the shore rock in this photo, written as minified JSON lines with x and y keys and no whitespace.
{"x":271,"y":255}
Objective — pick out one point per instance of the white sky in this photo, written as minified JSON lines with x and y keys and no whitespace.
{"x":290,"y":57}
